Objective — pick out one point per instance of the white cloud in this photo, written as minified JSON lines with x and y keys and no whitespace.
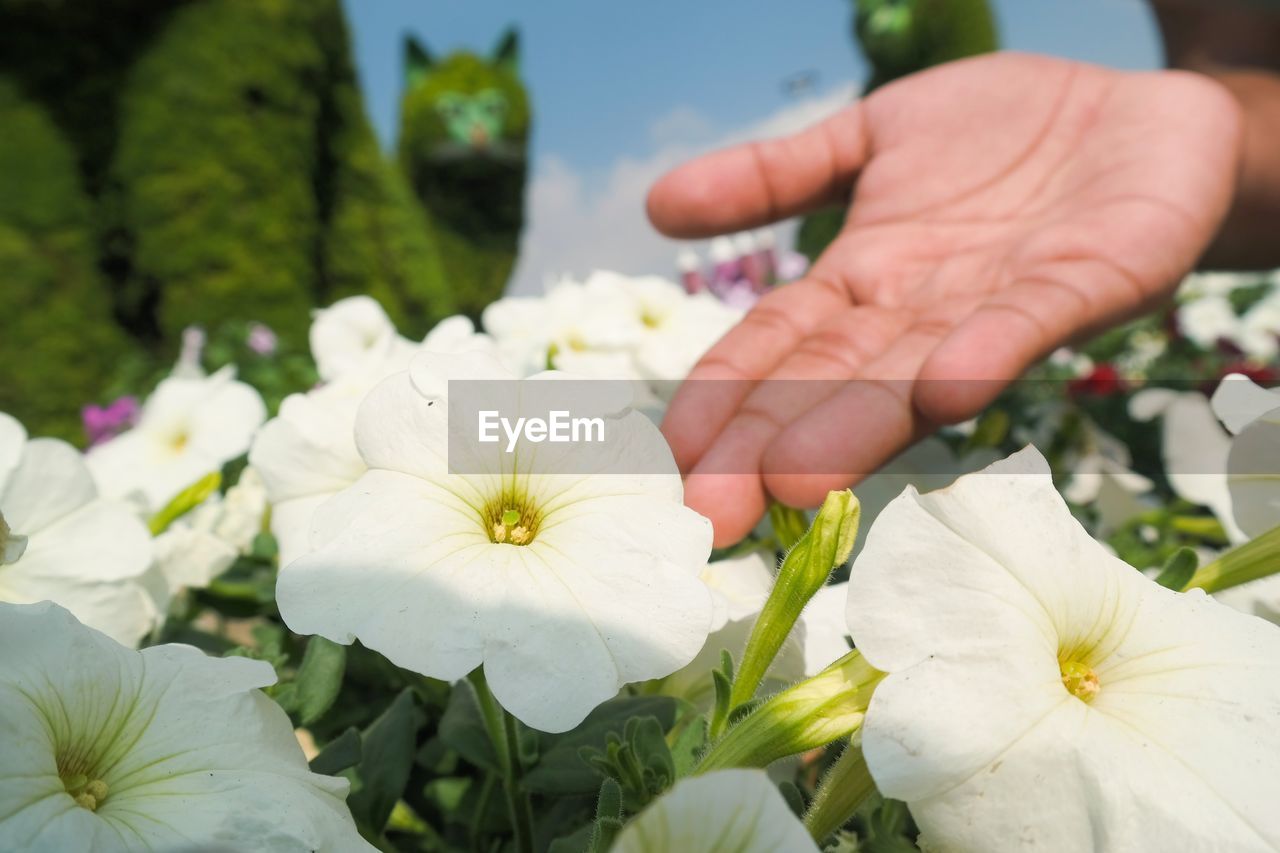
{"x":576,"y":224}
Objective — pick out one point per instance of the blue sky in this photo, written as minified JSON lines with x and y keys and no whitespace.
{"x":618,"y":86}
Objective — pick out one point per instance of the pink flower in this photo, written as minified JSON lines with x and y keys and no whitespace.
{"x":105,"y":422}
{"x":261,"y":339}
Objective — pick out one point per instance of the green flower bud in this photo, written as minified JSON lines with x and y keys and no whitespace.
{"x":1255,"y":559}
{"x":814,"y":713}
{"x":804,"y":571}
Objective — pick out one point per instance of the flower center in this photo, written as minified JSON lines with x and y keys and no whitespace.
{"x":1080,"y":680}
{"x":80,"y":782}
{"x":511,"y":520}
{"x":12,"y":545}
{"x":87,"y":794}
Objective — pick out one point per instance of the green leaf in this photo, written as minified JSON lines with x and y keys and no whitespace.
{"x":793,"y":796}
{"x":991,"y":429}
{"x":789,"y":524}
{"x":387,"y":757}
{"x":265,"y":547}
{"x":462,"y":728}
{"x":609,"y":803}
{"x":319,"y":679}
{"x":1178,"y":569}
{"x":645,"y":734}
{"x":562,"y":771}
{"x":339,"y":754}
{"x":689,"y":746}
{"x":185,"y":501}
{"x":578,"y":842}
{"x":720,"y":709}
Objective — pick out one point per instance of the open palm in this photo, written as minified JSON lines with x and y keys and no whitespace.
{"x":1001,"y":206}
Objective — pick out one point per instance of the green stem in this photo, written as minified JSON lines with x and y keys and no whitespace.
{"x":517,"y":799}
{"x":501,"y":728}
{"x":1257,"y":558}
{"x":847,"y":784}
{"x":482,"y":806}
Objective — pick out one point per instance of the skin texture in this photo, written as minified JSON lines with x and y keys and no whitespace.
{"x":1001,"y":207}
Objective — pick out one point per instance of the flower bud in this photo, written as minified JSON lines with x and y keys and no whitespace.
{"x":804,"y":571}
{"x":814,"y":713}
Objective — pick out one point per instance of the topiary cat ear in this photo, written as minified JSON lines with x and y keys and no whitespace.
{"x":418,"y":62}
{"x":507,"y":54}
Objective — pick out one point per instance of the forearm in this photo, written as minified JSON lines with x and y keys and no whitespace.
{"x":1239,"y":46}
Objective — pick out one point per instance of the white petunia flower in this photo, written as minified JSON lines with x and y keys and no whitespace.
{"x":727,"y":811}
{"x":739,"y":588}
{"x":1101,"y":477}
{"x":564,"y":586}
{"x":1194,"y":448}
{"x":1252,"y":414}
{"x":63,"y":543}
{"x":1043,"y":694}
{"x":1259,"y":335}
{"x":590,"y":327}
{"x":307,"y":453}
{"x":349,"y":333}
{"x":108,"y":750}
{"x":187,"y":429}
{"x":1207,"y":320}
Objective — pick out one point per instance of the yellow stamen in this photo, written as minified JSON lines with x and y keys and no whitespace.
{"x":1080,"y":680}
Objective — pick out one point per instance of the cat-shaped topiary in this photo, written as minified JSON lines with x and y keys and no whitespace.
{"x":464,"y":132}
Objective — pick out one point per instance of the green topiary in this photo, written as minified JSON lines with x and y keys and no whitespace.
{"x":212,"y":162}
{"x":59,"y":340}
{"x":464,"y":132}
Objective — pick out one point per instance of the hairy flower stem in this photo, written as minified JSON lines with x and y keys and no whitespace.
{"x":842,"y":790}
{"x":1257,"y":558}
{"x":505,"y":738}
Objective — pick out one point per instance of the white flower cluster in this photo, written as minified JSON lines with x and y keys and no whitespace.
{"x":1206,"y":316}
{"x":1031,"y":690}
{"x":610,"y":327}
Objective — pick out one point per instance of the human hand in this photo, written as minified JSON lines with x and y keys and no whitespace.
{"x":1001,"y":207}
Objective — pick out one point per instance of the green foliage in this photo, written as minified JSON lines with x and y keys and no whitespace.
{"x":202,"y":162}
{"x":211,"y":177}
{"x":315,"y":686}
{"x":1179,"y":569}
{"x":387,"y":750}
{"x":59,"y":339}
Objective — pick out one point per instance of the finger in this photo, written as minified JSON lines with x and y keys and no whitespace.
{"x":854,"y":432}
{"x":725,"y":484}
{"x":1017,"y":327}
{"x":717,"y":386}
{"x":761,"y":182}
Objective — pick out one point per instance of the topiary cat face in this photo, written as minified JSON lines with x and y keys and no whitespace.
{"x":465,"y":107}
